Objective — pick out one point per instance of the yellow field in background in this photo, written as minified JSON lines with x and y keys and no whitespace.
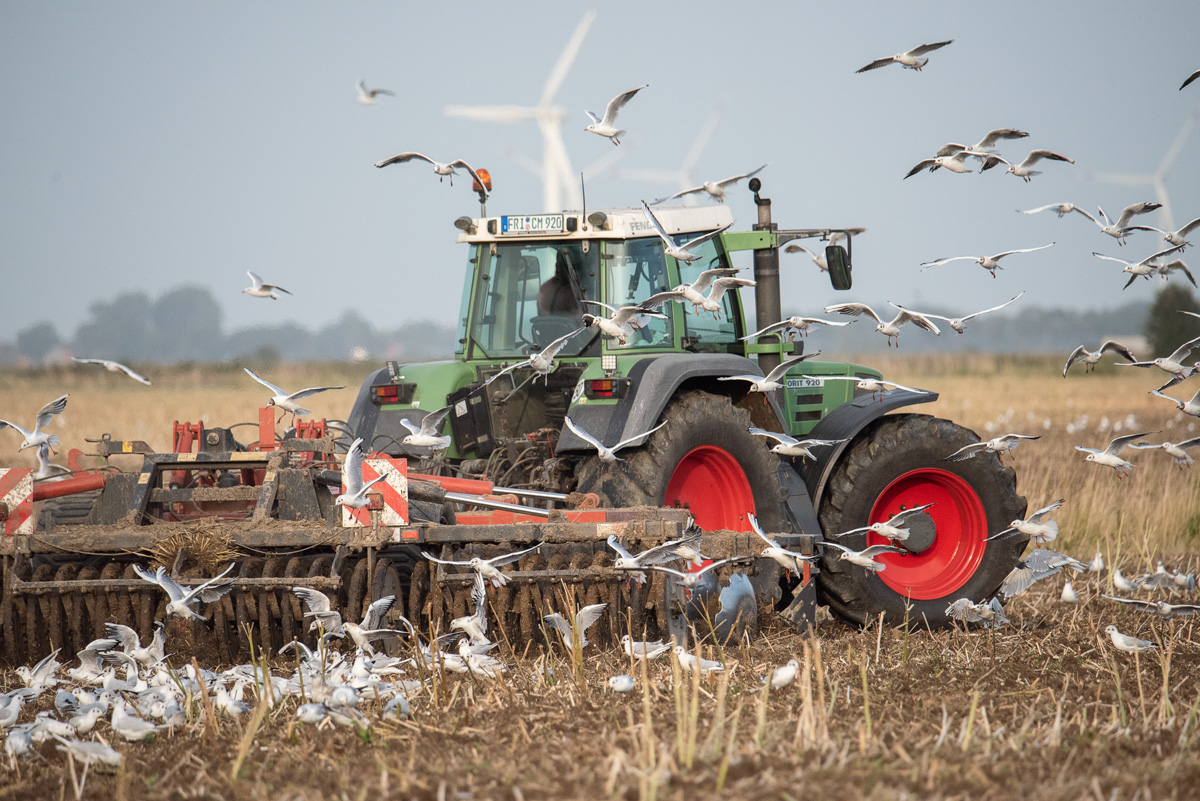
{"x":1155,"y":510}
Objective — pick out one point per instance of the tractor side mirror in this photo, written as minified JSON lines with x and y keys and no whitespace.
{"x":839,"y":267}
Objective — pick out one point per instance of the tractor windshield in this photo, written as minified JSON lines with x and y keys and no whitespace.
{"x":529,"y":294}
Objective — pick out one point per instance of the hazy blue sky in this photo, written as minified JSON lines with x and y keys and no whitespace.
{"x":147,"y":145}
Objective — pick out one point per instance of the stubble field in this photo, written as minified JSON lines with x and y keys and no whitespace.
{"x":1044,"y":708}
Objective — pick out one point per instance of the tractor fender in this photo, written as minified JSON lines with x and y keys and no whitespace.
{"x":654,"y":382}
{"x":845,"y":423}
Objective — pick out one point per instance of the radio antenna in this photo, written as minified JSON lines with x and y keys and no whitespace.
{"x":583,"y":194}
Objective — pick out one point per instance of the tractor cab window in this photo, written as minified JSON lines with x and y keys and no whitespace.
{"x":708,"y":328}
{"x":529,"y":294}
{"x":635,"y":269}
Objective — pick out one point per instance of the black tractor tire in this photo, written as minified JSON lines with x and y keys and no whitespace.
{"x":694,"y":418}
{"x":894,"y":446}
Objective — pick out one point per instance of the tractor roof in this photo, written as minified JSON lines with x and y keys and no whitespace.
{"x":619,"y":223}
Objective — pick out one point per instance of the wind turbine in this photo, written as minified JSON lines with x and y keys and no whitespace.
{"x":684,"y":177}
{"x":1155,"y":180}
{"x":557,"y":175}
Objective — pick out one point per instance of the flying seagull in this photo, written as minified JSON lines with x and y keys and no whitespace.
{"x":876,"y":386}
{"x":608,"y":125}
{"x":488,"y":568}
{"x":1190,"y":407}
{"x":890,"y":329}
{"x":771,"y":381}
{"x":607,"y":454}
{"x":1063,"y":209}
{"x":1091,"y":357}
{"x":683,"y":548}
{"x":959,"y":324}
{"x":997,"y":445}
{"x":989,"y":613}
{"x":895,"y":528}
{"x":714,"y":188}
{"x":677,"y":251}
{"x":1025,"y":169}
{"x":1110,"y":456}
{"x":622,"y":322}
{"x":790,"y":446}
{"x":691,"y":578}
{"x":792,"y":326}
{"x":542,"y":362}
{"x":985,"y":146}
{"x":865,"y":557}
{"x":36,"y":437}
{"x":584,"y":618}
{"x":1039,"y":564}
{"x":1176,"y":237}
{"x":819,"y":257}
{"x":367,"y":96}
{"x":693,"y":293}
{"x":426,"y":434}
{"x":1176,"y":449}
{"x":355,"y":495}
{"x":285,"y":400}
{"x":1145,"y":268}
{"x":952,"y":160}
{"x":447,"y":170}
{"x":1120,"y":229}
{"x":1172,"y":364}
{"x":114,"y":367}
{"x":258,"y":289}
{"x":910,"y":60}
{"x":1036,"y":527}
{"x":182,"y":599}
{"x":787,"y":559}
{"x":1161,"y":608}
{"x":989,"y":263}
{"x":1165,"y":270}
{"x":47,"y":470}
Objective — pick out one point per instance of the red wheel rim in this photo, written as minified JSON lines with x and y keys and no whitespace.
{"x":956,"y":552}
{"x":711,"y":483}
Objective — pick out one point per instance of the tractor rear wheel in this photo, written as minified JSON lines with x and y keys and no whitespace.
{"x":704,"y":459}
{"x":899,"y":464}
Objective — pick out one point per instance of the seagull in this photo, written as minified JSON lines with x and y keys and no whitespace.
{"x":693,"y":293}
{"x":690,"y":662}
{"x":47,"y":470}
{"x":287,"y":401}
{"x":621,"y":684}
{"x":712,"y":301}
{"x":606,"y":454}
{"x":1121,"y":583}
{"x":355,"y":495}
{"x":876,"y":386}
{"x":910,"y":60}
{"x":90,"y":753}
{"x":181,"y":599}
{"x":986,"y":145}
{"x":426,"y":434}
{"x":674,"y":249}
{"x":1191,"y":407}
{"x":959,"y":324}
{"x":793,"y":326}
{"x":488,"y":568}
{"x":1161,"y":608}
{"x":644,"y":650}
{"x":714,"y":188}
{"x":1069,"y":596}
{"x":1091,"y":357}
{"x":623,"y":321}
{"x":367,"y":96}
{"x":41,"y":675}
{"x":989,"y":263}
{"x":1177,"y":237}
{"x":1023,"y":170}
{"x":36,"y":437}
{"x":819,"y":257}
{"x":1189,"y":79}
{"x":1039,"y":564}
{"x":127,"y":638}
{"x":448,"y":170}
{"x":689,"y":579}
{"x":475,"y":624}
{"x":684,"y":548}
{"x":1172,"y":364}
{"x":1165,"y":270}
{"x":91,"y":664}
{"x":1130,"y":645}
{"x":371,"y":627}
{"x":542,"y":362}
{"x":865,"y":557}
{"x":891,"y":329}
{"x":1120,"y":229}
{"x":1142,"y":268}
{"x":584,"y":618}
{"x":1110,"y":457}
{"x":781,"y":677}
{"x":258,"y":289}
{"x":114,"y":367}
{"x":1097,"y":563}
{"x":1036,"y":527}
{"x":788,"y":560}
{"x":324,"y":617}
{"x":790,"y":446}
{"x":1063,"y":209}
{"x":1160,"y":579}
{"x":989,"y":613}
{"x":1177,"y":449}
{"x":771,"y":381}
{"x":130,"y":727}
{"x":997,"y":445}
{"x":952,"y":160}
{"x":895,"y":528}
{"x":608,"y":125}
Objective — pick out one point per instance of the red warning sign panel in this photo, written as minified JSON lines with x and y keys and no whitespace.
{"x":394,"y":490}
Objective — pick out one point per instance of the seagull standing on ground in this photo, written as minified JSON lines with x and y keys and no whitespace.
{"x":890,"y":329}
{"x":258,"y":289}
{"x":287,"y":401}
{"x":989,"y":263}
{"x":1024,"y":169}
{"x":114,"y":367}
{"x":1091,"y":357}
{"x":1110,"y":456}
{"x":909,"y":60}
{"x":608,"y":125}
{"x":37,"y":437}
{"x":355,"y":495}
{"x":1126,"y":643}
{"x":367,"y":96}
{"x":446,"y":171}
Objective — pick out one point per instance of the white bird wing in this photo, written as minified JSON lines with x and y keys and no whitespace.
{"x":917,"y":319}
{"x":921,"y":165}
{"x":432,"y":422}
{"x":921,"y":50}
{"x":509,"y":558}
{"x":966,"y":451}
{"x":593,"y":117}
{"x":996,"y":135}
{"x":1179,"y":355}
{"x":471,"y":170}
{"x":680,"y":193}
{"x":352,"y":472}
{"x":1118,"y":348}
{"x":373,"y":617}
{"x":1111,"y":258}
{"x":52,"y":408}
{"x":617,"y":103}
{"x":413,"y":428}
{"x":401,"y":158}
{"x":733,"y":178}
{"x":700,"y":240}
{"x":1129,"y":211}
{"x":550,"y":351}
{"x":210,"y":591}
{"x":705,"y":278}
{"x":583,"y":435}
{"x":723,"y":285}
{"x":1118,"y":443}
{"x":1088,"y":450}
{"x":669,"y":571}
{"x":923,"y":314}
{"x":615,"y":544}
{"x":610,"y":309}
{"x":588,"y":615}
{"x":876,"y":550}
{"x":796,"y":247}
{"x":988,"y":311}
{"x":877,"y":63}
{"x":783,"y":367}
{"x":316,"y":601}
{"x":772,"y":328}
{"x":1187,"y":229}
{"x":1075,"y":356}
{"x":775,"y":435}
{"x":1040,"y":514}
{"x":657,"y":226}
{"x":1037,"y":155}
{"x":24,"y":433}
{"x":561,"y":625}
{"x":126,"y":637}
{"x":265,"y":383}
{"x":637,"y":438}
{"x":1022,"y":250}
{"x":255,"y":279}
{"x":939,"y":262}
{"x":1040,"y":209}
{"x":134,"y":375}
{"x":304,"y":393}
{"x":175,"y":591}
{"x":853,"y":310}
{"x":432,"y":558}
{"x":757,"y":528}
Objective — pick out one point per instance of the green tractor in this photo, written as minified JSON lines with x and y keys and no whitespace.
{"x":532,"y":278}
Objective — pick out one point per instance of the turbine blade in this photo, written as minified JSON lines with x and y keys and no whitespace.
{"x":563,"y":65}
{"x":506,"y":114}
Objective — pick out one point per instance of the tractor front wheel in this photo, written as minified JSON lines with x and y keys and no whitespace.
{"x":899,"y":464}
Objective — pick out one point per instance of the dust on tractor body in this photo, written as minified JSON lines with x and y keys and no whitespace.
{"x":514,"y":475}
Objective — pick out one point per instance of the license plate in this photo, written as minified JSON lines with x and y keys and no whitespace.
{"x":532,"y":224}
{"x":805,"y":383}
